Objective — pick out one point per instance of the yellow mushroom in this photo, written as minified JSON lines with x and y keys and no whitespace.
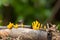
{"x":36,"y":25}
{"x":10,"y":25}
{"x":16,"y":26}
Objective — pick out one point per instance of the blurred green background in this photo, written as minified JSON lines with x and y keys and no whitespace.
{"x":26,"y":10}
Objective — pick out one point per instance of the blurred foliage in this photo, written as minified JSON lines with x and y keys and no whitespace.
{"x":58,"y":27}
{"x":30,"y":10}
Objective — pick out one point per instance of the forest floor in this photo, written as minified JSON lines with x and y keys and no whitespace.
{"x":56,"y":36}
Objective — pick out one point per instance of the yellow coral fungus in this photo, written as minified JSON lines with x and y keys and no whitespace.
{"x":16,"y":26}
{"x":36,"y":25}
{"x":10,"y":25}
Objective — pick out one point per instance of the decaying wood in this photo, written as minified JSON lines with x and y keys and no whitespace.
{"x":28,"y":34}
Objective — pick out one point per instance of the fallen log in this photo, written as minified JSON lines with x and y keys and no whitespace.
{"x":28,"y":34}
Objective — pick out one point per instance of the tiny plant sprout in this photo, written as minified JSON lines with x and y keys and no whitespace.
{"x":10,"y":25}
{"x":22,"y":25}
{"x":44,"y":27}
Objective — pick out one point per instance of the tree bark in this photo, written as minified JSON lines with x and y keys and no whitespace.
{"x":28,"y":34}
{"x":55,"y":10}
